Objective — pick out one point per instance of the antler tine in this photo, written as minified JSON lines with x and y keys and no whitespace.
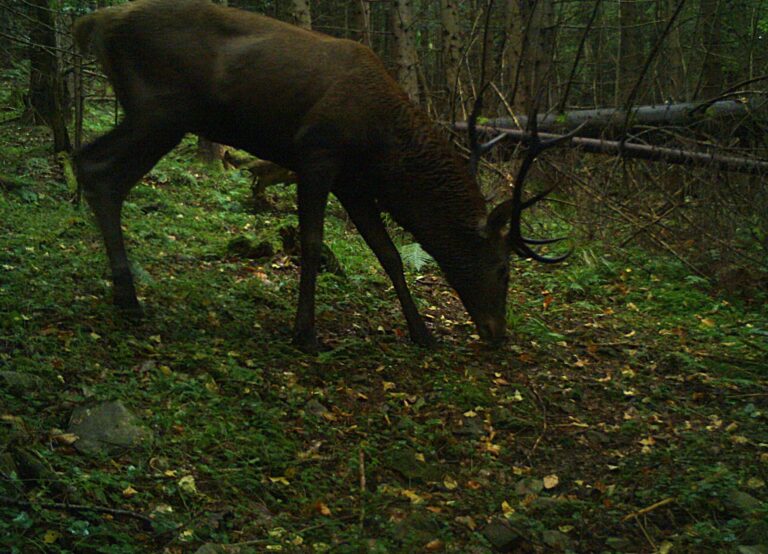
{"x":518,"y":242}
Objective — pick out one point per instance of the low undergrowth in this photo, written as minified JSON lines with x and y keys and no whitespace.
{"x":626,"y":414}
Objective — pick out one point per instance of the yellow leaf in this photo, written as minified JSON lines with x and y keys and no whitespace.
{"x":322,"y":509}
{"x":187,"y":484}
{"x":170,"y":473}
{"x":470,"y":413}
{"x":129,"y":492}
{"x":665,"y":547}
{"x":739,"y":439}
{"x":732,"y":427}
{"x":755,"y":483}
{"x":65,"y":438}
{"x":450,"y":483}
{"x":506,"y":509}
{"x":282,"y":480}
{"x":706,"y":322}
{"x":468,"y":521}
{"x":648,"y":441}
{"x":388,"y":385}
{"x":412,"y":496}
{"x":419,"y":456}
{"x":51,"y":537}
{"x":551,"y":481}
{"x":566,"y":528}
{"x":434,"y":545}
{"x":764,"y":457}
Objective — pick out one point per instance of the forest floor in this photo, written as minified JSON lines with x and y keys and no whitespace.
{"x":627,"y":413}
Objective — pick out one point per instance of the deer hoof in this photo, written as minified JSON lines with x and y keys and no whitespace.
{"x":424,"y":339}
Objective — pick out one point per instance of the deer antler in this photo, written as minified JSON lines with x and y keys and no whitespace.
{"x":535,"y":146}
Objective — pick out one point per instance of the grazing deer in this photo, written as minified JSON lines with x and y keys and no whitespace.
{"x":323,"y":107}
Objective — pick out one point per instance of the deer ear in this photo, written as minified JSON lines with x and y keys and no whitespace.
{"x":499,"y":217}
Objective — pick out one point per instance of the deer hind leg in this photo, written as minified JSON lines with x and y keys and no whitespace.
{"x":107,"y":169}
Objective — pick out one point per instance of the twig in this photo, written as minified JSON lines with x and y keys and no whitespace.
{"x":361,"y":469}
{"x":648,"y":509}
{"x":77,"y":508}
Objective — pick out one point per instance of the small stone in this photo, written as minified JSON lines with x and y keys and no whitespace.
{"x":419,"y":526}
{"x":405,"y":460}
{"x":529,"y":485}
{"x":243,"y":247}
{"x":742,"y":502}
{"x":211,"y":548}
{"x":556,"y":539}
{"x":19,"y":383}
{"x":756,"y":533}
{"x":315,"y":408}
{"x":108,"y":428}
{"x":619,"y":543}
{"x":753,"y":549}
{"x":502,"y":536}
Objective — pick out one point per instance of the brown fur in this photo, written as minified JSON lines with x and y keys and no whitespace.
{"x":323,"y":107}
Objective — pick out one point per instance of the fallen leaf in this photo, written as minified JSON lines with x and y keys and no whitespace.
{"x":187,"y":484}
{"x":755,"y":483}
{"x":51,"y":536}
{"x":322,"y":509}
{"x":282,"y":480}
{"x":129,"y":492}
{"x":434,"y":545}
{"x":507,"y":509}
{"x":551,"y":481}
{"x":450,"y":483}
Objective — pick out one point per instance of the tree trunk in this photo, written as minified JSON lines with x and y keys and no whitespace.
{"x":449,"y":15}
{"x":46,"y":87}
{"x":530,"y":46}
{"x":361,"y":21}
{"x":301,"y":15}
{"x":631,"y":50}
{"x":711,"y":80}
{"x":406,"y":58}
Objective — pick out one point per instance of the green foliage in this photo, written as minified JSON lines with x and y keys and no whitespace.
{"x":415,"y":257}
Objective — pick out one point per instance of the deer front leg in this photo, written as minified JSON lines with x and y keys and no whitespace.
{"x":314,"y":185}
{"x":367,"y":218}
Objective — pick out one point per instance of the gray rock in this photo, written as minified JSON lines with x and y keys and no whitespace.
{"x":19,"y":383}
{"x":742,"y":503}
{"x":107,"y":429}
{"x":620,"y":544}
{"x":529,"y":485}
{"x":404,"y":460}
{"x":315,"y":408}
{"x":419,"y":526}
{"x":471,"y":427}
{"x":556,"y":539}
{"x":753,"y":549}
{"x":502,"y":536}
{"x":756,"y":533}
{"x":211,"y":548}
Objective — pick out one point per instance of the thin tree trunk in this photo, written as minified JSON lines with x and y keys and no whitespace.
{"x":301,"y":15}
{"x":46,"y":87}
{"x":711,"y":80}
{"x":361,"y":21}
{"x":406,"y":58}
{"x":631,"y":49}
{"x":530,"y":46}
{"x":449,"y":15}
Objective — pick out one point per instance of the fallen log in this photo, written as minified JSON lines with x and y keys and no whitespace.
{"x":639,"y":151}
{"x":713,"y":118}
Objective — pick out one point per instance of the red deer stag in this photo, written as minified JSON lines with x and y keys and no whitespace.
{"x":323,"y":107}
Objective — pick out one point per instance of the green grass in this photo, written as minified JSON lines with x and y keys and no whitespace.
{"x":627,"y":378}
